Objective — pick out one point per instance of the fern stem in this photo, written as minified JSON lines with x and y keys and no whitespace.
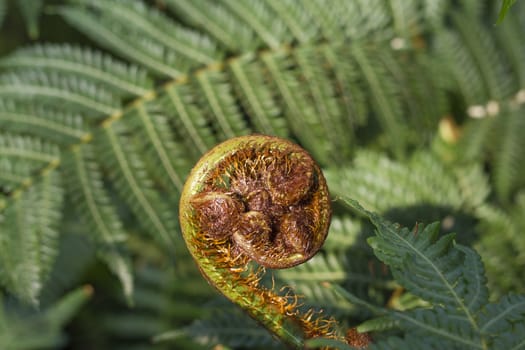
{"x":224,"y":261}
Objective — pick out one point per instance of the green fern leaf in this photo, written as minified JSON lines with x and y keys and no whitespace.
{"x":70,"y":91}
{"x":269,"y":27}
{"x":508,"y":161}
{"x":383,"y":184}
{"x":442,"y":324}
{"x":319,"y":90}
{"x":513,"y":340}
{"x":501,"y":316}
{"x":326,"y":20}
{"x":154,"y":136}
{"x":382,"y":89}
{"x":188,"y":119}
{"x":42,"y":121}
{"x":14,"y":174}
{"x":135,"y":186}
{"x":461,"y":316}
{"x":27,"y":148}
{"x":298,"y":21}
{"x":92,"y":65}
{"x":299,"y":112}
{"x":130,"y":44}
{"x":29,"y":237}
{"x":215,"y":95}
{"x":421,"y":256}
{"x":511,"y":47}
{"x":92,"y":203}
{"x":473,"y":285}
{"x":256,"y":97}
{"x":217,"y":22}
{"x":351,"y":97}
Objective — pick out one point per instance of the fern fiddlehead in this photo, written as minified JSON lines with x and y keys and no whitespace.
{"x":264,"y":199}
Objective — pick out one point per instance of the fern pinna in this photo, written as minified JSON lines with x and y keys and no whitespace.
{"x":105,"y":134}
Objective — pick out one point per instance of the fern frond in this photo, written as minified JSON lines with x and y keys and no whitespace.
{"x":452,"y":332}
{"x":350,"y":96}
{"x":28,"y":148}
{"x":514,"y":340}
{"x":381,"y":88}
{"x":262,"y":20}
{"x":217,"y":22}
{"x":21,"y":157}
{"x":320,"y":91}
{"x":483,"y":50}
{"x":510,"y":45}
{"x":256,"y":96}
{"x":405,"y":17}
{"x":298,"y":21}
{"x":54,"y":88}
{"x":215,"y":96}
{"x":501,"y":245}
{"x":453,"y":281}
{"x":14,"y":174}
{"x":87,"y":63}
{"x":299,"y":112}
{"x":474,"y":61}
{"x":509,"y":157}
{"x":430,"y":267}
{"x":153,"y":134}
{"x":196,"y":48}
{"x":422,"y":111}
{"x":465,"y":77}
{"x":359,"y":19}
{"x":382,"y":184}
{"x":42,"y":121}
{"x":345,"y":233}
{"x":29,"y":237}
{"x":501,"y":316}
{"x":498,"y":141}
{"x":128,"y":43}
{"x":473,"y":284}
{"x":188,"y":119}
{"x":92,"y":203}
{"x":366,"y":281}
{"x":134,"y":184}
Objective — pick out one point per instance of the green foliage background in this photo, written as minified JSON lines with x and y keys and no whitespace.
{"x":413,"y":108}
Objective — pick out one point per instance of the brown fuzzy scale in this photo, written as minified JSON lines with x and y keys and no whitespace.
{"x":272,"y":203}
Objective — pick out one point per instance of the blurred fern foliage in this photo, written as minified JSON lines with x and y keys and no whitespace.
{"x":416,"y":109}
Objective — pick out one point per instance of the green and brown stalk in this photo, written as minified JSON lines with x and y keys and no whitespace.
{"x":263,"y":199}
